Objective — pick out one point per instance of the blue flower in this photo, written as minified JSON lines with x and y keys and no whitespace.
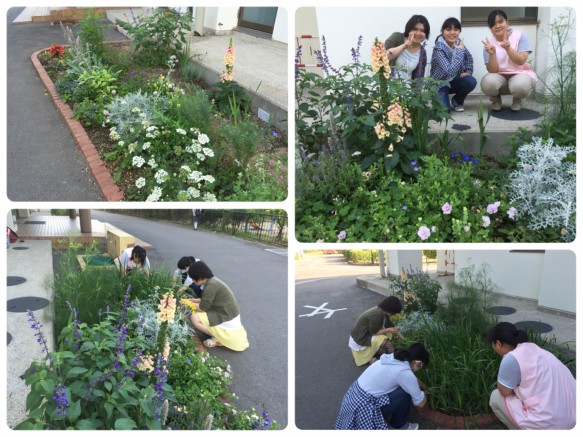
{"x":405,"y":207}
{"x":466,"y":158}
{"x":413,"y":162}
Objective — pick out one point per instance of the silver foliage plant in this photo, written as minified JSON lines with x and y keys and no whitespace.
{"x":543,"y":187}
{"x":146,"y":319}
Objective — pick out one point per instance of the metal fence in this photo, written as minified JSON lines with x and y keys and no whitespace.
{"x":267,"y":226}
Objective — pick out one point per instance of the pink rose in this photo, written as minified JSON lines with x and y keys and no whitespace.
{"x":486,"y":221}
{"x":493,"y":208}
{"x":512,"y":213}
{"x":446,"y":208}
{"x":424,"y":232}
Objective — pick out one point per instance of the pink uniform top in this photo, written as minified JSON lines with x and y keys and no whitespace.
{"x":505,"y":64}
{"x":545,"y":398}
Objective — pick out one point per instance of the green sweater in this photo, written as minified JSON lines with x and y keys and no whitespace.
{"x":368,"y":324}
{"x":219,"y":302}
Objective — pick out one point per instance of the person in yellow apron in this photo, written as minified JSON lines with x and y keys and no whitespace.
{"x":216,"y":313}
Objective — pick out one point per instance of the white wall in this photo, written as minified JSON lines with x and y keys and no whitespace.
{"x":280,"y":31}
{"x":409,"y":260}
{"x":558,"y":282}
{"x":342,"y":26}
{"x":548,"y":277}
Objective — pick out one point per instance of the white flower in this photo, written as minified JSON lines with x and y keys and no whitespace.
{"x":210,"y":179}
{"x":195,"y":176}
{"x":135,"y":109}
{"x":193,"y":193}
{"x":161,"y":176}
{"x":138,"y":161}
{"x":140,"y":182}
{"x":146,"y":145}
{"x":356,"y":153}
{"x":155,"y":195}
{"x":203,"y":138}
{"x":152,"y":163}
{"x":121,"y":142}
{"x":181,"y":131}
{"x":209,"y":197}
{"x":208,"y":152}
{"x":200,"y":156}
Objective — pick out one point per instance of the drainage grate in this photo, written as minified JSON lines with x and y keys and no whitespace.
{"x":501,"y":311}
{"x":35,"y":222}
{"x":9,"y":338}
{"x":24,"y":304}
{"x":20,"y":248}
{"x":541,"y":327}
{"x":15,"y":280}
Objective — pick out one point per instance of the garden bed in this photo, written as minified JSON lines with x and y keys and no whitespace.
{"x":193,"y":149}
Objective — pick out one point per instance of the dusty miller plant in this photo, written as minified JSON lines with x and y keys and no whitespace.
{"x":544,"y":187}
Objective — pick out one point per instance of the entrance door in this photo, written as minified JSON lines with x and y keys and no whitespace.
{"x":262,"y":19}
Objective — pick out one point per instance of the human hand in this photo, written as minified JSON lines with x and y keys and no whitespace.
{"x":409,"y":40}
{"x":422,"y":385}
{"x":393,"y":330}
{"x":460,"y":45}
{"x":464,"y":74}
{"x":489,"y":46}
{"x":505,"y":44}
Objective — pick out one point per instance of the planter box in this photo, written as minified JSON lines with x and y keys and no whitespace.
{"x":83,"y":263}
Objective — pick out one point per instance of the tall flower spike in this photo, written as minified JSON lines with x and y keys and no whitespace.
{"x":229,"y":61}
{"x":379,"y":59}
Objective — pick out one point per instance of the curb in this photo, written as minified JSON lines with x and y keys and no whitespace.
{"x":458,"y":422}
{"x":101,"y":176}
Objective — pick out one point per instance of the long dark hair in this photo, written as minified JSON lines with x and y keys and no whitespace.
{"x":507,"y":333}
{"x":140,"y":253}
{"x":492,"y":17}
{"x":199,"y":270}
{"x":414,"y":21}
{"x":414,"y":352}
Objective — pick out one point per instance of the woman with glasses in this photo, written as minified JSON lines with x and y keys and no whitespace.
{"x":381,"y":398}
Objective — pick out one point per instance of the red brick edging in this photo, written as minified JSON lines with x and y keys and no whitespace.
{"x":457,"y":422}
{"x":99,"y":171}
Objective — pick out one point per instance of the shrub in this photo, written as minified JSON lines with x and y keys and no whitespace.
{"x":155,"y":37}
{"x":361,"y":256}
{"x":91,"y":32}
{"x":416,"y":290}
{"x":543,"y":188}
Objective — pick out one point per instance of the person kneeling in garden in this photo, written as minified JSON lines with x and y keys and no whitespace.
{"x":216,"y":313}
{"x":535,"y":389}
{"x":381,"y":398}
{"x":371,"y":335}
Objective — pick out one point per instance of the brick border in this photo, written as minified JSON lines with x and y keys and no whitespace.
{"x":101,"y":176}
{"x":457,"y":422}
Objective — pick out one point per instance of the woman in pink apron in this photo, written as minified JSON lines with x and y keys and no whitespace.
{"x":505,"y":55}
{"x":535,"y":389}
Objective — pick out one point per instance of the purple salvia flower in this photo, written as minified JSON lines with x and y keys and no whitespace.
{"x":356,"y":52}
{"x":60,"y":397}
{"x":40,"y":337}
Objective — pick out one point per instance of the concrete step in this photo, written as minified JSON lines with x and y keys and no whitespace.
{"x":464,"y":129}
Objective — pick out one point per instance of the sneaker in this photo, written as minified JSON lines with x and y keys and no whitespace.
{"x":456,"y":107}
{"x":516,"y":105}
{"x":410,"y":426}
{"x":496,"y":103}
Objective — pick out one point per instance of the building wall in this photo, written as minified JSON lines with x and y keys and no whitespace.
{"x":280,"y":29}
{"x":342,"y":27}
{"x":222,"y":21}
{"x":547,"y":277}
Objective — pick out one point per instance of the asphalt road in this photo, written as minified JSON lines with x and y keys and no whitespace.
{"x":324,"y":367}
{"x":259,"y":279}
{"x":43,"y":162}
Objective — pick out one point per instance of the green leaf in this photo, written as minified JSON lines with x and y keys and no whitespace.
{"x":76,"y":371}
{"x":48,"y":386}
{"x":74,"y":410}
{"x":125,"y":423}
{"x":89,"y":424}
{"x":33,"y":400}
{"x":108,"y":385}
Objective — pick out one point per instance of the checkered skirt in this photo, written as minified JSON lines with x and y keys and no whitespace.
{"x":360,"y":410}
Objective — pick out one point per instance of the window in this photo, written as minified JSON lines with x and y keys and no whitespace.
{"x":472,"y":17}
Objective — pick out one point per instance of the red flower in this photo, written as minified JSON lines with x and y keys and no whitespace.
{"x":56,"y":50}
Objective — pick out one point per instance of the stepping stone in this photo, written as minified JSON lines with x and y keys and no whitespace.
{"x":522,"y":115}
{"x":9,"y":338}
{"x":540,"y":327}
{"x":20,"y":248}
{"x":15,"y":280}
{"x":24,"y":304}
{"x":501,"y":310}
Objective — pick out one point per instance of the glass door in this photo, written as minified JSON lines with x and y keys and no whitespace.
{"x":262,"y":19}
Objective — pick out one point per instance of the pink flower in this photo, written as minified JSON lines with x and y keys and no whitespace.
{"x":446,"y":208}
{"x":319,"y":240}
{"x":467,"y":228}
{"x":493,"y":208}
{"x":424,"y":232}
{"x":342,"y":235}
{"x":512,"y":213}
{"x":486,"y":221}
